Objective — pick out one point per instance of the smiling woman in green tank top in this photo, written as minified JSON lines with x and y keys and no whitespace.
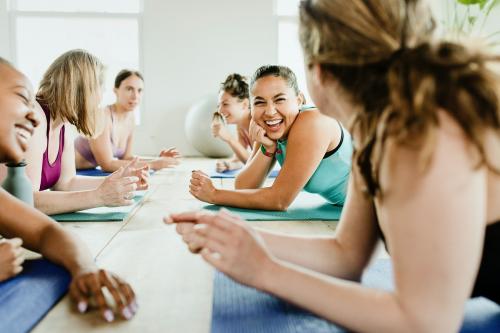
{"x":314,"y":151}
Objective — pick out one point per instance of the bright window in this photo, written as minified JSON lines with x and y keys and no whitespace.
{"x":97,"y":6}
{"x":287,"y":7}
{"x":289,"y":50}
{"x":44,"y":29}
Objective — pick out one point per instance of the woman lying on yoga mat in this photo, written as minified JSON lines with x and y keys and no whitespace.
{"x":112,"y":149}
{"x":313,"y":149}
{"x":234,"y":107}
{"x":70,"y":93}
{"x":426,"y":123}
{"x":36,"y":231}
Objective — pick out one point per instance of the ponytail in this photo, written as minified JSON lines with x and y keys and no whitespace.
{"x":445,"y":76}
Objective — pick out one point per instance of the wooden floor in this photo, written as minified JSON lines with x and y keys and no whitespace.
{"x":173,"y":287}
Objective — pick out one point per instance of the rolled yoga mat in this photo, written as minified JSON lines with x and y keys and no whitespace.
{"x":237,"y":308}
{"x":26,"y":298}
{"x":306,"y":206}
{"x":234,"y":173}
{"x":100,"y":214}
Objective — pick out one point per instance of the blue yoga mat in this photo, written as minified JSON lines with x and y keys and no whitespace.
{"x":234,"y":173}
{"x":26,"y":298}
{"x":96,"y":172}
{"x":237,"y":308}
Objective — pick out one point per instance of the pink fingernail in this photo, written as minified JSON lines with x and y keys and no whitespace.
{"x":82,"y":306}
{"x":127,"y":313}
{"x":108,"y":316}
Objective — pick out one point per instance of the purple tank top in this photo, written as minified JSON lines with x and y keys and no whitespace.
{"x":51,"y":172}
{"x":82,"y":145}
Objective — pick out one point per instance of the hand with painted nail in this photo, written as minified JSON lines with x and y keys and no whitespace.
{"x":11,"y":258}
{"x":226,"y":242}
{"x":201,"y":187}
{"x":87,"y":286}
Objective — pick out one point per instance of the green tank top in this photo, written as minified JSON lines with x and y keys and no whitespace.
{"x":331,"y":177}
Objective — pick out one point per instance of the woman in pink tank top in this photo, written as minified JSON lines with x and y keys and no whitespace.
{"x":20,"y":223}
{"x":112,"y":149}
{"x":234,"y":107}
{"x":70,"y":93}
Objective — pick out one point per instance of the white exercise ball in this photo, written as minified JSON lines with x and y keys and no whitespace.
{"x":198,"y":131}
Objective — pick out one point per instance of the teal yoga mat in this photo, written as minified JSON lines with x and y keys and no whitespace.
{"x":307,"y":206}
{"x":99,"y":214}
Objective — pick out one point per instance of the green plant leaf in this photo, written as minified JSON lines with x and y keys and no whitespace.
{"x":471,"y":2}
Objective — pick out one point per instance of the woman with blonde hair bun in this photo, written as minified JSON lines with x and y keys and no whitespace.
{"x":424,"y":115}
{"x":69,"y":94}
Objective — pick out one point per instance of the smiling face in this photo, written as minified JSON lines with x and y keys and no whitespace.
{"x":275,"y":105}
{"x":231,"y":107}
{"x":17,"y":114}
{"x":129,"y":93}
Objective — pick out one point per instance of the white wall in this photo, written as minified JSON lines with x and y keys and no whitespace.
{"x":189,"y":47}
{"x":4,"y":31}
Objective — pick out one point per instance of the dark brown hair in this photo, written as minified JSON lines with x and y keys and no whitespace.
{"x":278,"y":71}
{"x":384,"y":56}
{"x":125,"y":74}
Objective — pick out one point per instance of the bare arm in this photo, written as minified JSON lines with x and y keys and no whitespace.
{"x":346,"y":254}
{"x":305,"y":151}
{"x":255,"y":171}
{"x":238,"y":146}
{"x":343,"y":256}
{"x":73,"y":193}
{"x":130,"y":143}
{"x":434,"y":234}
{"x":102,"y":149}
{"x":41,"y":234}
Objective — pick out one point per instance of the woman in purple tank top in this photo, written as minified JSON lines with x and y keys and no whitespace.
{"x":24,"y":225}
{"x":70,"y":93}
{"x":112,"y":149}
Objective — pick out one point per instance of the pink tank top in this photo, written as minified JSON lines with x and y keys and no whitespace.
{"x":51,"y":172}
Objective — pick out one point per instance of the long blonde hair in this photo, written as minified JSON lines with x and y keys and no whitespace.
{"x":70,"y":88}
{"x":384,"y":55}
